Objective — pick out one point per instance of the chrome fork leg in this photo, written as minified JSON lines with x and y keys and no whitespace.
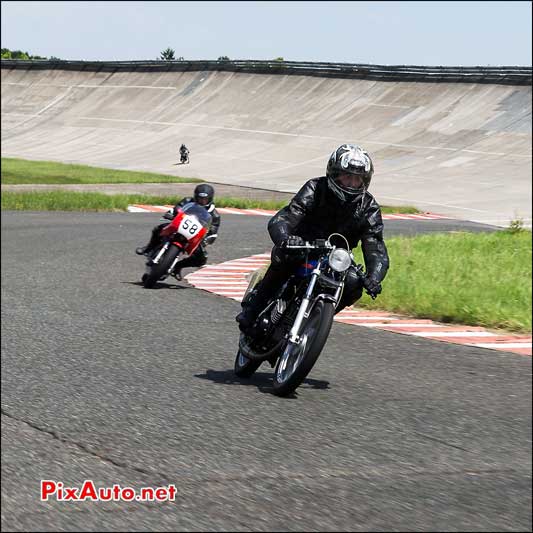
{"x":160,"y":254}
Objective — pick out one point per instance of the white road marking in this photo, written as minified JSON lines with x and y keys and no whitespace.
{"x":374,"y":318}
{"x":501,"y":344}
{"x":399,"y":326}
{"x":456,"y":334}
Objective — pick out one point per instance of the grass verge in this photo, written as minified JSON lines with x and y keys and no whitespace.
{"x":66,"y":201}
{"x":94,"y":201}
{"x":26,"y":172}
{"x":481,"y":279}
{"x":91,"y":201}
{"x":22,"y":171}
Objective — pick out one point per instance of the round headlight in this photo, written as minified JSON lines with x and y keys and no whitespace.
{"x":339,"y":260}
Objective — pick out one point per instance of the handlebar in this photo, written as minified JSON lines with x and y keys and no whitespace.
{"x":319,"y":244}
{"x":324,"y":244}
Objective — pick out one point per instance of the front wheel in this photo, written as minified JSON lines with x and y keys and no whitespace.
{"x":244,"y":367}
{"x":160,"y":270}
{"x":297,"y":360}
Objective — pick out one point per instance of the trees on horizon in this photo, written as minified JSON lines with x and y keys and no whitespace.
{"x":18,"y":54}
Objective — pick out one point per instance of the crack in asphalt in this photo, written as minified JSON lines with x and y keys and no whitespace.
{"x":83,"y":447}
{"x":434,"y":439}
{"x":365,"y":473}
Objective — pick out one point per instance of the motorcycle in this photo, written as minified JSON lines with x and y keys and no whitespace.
{"x":180,"y":237}
{"x":184,"y":158}
{"x":293,"y":328}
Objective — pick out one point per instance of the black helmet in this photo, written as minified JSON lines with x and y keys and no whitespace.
{"x":204,"y":194}
{"x":349,"y":159}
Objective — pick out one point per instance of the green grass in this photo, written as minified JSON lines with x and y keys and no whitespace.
{"x":59,"y":200}
{"x":92,"y":201}
{"x":25,"y":172}
{"x":245,"y":203}
{"x":21,"y":171}
{"x":474,"y":279}
{"x":390,"y":209}
{"x":67,"y":201}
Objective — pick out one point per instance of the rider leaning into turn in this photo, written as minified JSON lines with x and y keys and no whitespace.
{"x":204,"y":195}
{"x":183,"y":150}
{"x":338,"y":202}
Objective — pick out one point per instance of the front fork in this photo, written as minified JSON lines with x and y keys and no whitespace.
{"x":160,"y":254}
{"x":294,"y":332}
{"x":294,"y":336}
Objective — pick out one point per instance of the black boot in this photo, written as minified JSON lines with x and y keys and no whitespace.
{"x":143,"y":250}
{"x":154,"y":241}
{"x":246,"y":318}
{"x":252,"y":305}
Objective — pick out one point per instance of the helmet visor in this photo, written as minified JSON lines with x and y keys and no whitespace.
{"x":349,"y":181}
{"x":202,"y":198}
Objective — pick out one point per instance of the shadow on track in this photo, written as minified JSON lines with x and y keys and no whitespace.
{"x":158,"y":285}
{"x":261,"y":380}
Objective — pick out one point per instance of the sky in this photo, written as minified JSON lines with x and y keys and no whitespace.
{"x":385,"y":33}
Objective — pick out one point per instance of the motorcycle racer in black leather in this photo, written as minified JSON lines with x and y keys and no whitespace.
{"x":338,"y":202}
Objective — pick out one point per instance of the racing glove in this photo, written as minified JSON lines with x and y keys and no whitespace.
{"x":293,"y":240}
{"x":373,"y":287}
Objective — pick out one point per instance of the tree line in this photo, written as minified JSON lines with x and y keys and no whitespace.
{"x":168,"y":54}
{"x":19,"y":54}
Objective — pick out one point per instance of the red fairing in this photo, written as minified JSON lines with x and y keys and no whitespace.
{"x":173,"y":227}
{"x":195,"y":241}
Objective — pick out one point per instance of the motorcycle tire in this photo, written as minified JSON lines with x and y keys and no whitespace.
{"x":160,"y":270}
{"x":244,"y":367}
{"x":315,"y":331}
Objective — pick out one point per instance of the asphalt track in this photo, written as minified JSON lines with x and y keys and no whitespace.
{"x":105,"y":380}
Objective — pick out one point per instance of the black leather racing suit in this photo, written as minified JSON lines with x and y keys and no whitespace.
{"x":199,"y":256}
{"x":315,"y":212}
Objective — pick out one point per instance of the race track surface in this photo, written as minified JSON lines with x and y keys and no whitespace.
{"x":105,"y":380}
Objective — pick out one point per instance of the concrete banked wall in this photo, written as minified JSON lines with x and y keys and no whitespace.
{"x":459,"y":149}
